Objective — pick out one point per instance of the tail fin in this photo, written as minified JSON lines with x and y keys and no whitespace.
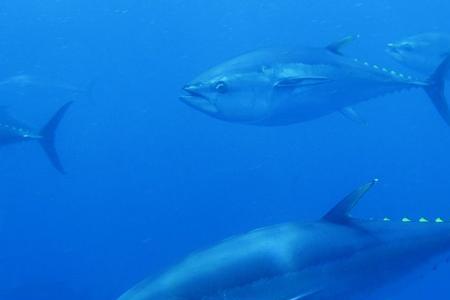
{"x":436,"y":89}
{"x":48,"y":137}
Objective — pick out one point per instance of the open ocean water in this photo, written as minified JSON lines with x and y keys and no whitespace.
{"x":150,"y":179}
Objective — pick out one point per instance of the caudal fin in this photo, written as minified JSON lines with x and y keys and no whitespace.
{"x":436,"y":89}
{"x":48,"y":137}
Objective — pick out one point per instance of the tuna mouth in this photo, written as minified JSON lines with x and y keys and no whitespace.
{"x":392,"y":49}
{"x":197,"y":100}
{"x":192,"y":91}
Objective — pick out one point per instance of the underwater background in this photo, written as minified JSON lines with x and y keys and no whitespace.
{"x":150,"y":179}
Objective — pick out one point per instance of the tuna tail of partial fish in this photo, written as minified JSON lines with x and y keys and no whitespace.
{"x":436,"y":89}
{"x":48,"y":137}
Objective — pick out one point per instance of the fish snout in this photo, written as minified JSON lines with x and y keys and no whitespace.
{"x":391,"y":47}
{"x":193,"y":90}
{"x":395,"y":51}
{"x":189,"y":87}
{"x":195,"y":98}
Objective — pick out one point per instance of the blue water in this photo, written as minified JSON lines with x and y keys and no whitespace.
{"x":150,"y":180}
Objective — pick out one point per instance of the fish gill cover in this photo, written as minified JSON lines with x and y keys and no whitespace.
{"x":150,"y":179}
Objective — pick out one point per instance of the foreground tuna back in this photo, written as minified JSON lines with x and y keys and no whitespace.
{"x":336,"y":257}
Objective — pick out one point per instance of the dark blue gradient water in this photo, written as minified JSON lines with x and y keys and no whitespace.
{"x":150,"y":180}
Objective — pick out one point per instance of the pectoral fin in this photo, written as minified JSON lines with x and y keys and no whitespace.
{"x":305,"y":296}
{"x":338,"y":45}
{"x":295,"y":82}
{"x":353,"y":116}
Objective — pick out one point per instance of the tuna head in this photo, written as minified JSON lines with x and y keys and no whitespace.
{"x":423,"y":52}
{"x":232,"y":93}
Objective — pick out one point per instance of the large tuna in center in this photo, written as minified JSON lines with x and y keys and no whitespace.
{"x":281,"y":87}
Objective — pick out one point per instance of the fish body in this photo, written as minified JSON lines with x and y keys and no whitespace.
{"x":336,"y":257}
{"x":281,"y":87}
{"x":422,"y":52}
{"x":13,"y":131}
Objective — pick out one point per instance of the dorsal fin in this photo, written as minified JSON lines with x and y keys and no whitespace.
{"x":352,"y":115}
{"x":336,"y":47}
{"x":341,"y":212}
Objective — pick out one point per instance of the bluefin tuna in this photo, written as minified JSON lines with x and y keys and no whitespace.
{"x":422,"y":52}
{"x":280,"y":87}
{"x":336,"y":257}
{"x":15,"y":131}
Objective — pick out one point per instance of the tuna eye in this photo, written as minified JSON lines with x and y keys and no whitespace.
{"x":221,"y":87}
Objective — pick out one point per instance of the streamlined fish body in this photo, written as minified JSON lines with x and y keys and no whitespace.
{"x":282,"y":87}
{"x":336,"y":257}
